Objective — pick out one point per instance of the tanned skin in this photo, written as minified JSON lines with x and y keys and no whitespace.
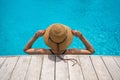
{"x":29,"y":50}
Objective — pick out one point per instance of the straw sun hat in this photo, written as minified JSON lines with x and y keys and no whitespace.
{"x":58,"y":34}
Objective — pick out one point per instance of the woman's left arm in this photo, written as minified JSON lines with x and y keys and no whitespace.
{"x":28,"y":48}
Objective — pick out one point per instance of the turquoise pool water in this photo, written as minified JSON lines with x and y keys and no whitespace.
{"x":98,"y":20}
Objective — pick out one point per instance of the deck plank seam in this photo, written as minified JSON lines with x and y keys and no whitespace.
{"x":41,"y":67}
{"x":14,"y":68}
{"x":94,"y":67}
{"x":81,"y":68}
{"x":3,"y":62}
{"x":28,"y":67}
{"x":68,"y":70}
{"x":116,"y":62}
{"x":107,"y":68}
{"x":55,"y":68}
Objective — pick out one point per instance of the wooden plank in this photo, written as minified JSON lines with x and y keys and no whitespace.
{"x":48,"y":67}
{"x":75,"y":71}
{"x":21,"y":68}
{"x":87,"y":68}
{"x":117,"y":59}
{"x":100,"y":68}
{"x":7,"y":68}
{"x":34,"y":69}
{"x":112,"y":67}
{"x":2,"y":59}
{"x":61,"y":69}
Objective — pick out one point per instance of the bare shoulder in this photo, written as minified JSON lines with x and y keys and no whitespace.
{"x":78,"y":51}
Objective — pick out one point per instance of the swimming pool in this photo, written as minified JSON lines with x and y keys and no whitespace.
{"x":98,"y":20}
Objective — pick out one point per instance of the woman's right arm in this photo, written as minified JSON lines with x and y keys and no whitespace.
{"x":89,"y":49}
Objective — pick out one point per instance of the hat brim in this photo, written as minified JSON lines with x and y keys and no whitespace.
{"x":63,"y":45}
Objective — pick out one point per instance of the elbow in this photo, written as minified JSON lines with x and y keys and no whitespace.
{"x":24,"y":49}
{"x":27,"y":51}
{"x":91,"y":51}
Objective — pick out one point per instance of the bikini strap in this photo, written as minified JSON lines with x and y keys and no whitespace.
{"x":52,"y":52}
{"x":64,"y":52}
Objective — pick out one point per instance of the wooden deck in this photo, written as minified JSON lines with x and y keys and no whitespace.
{"x":49,"y":67}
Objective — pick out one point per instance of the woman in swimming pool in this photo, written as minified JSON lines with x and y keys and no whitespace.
{"x":58,"y":37}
